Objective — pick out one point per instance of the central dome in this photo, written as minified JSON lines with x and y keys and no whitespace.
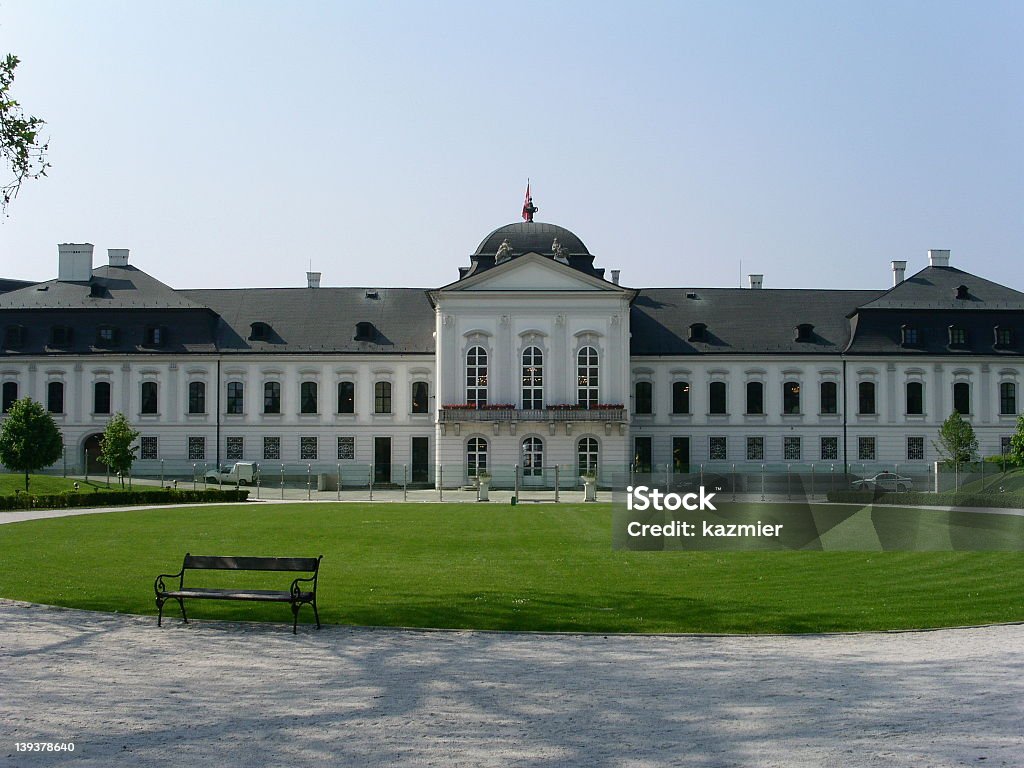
{"x":531,"y":237}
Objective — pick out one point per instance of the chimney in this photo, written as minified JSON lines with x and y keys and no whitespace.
{"x":117,"y":257}
{"x":313,"y":279}
{"x":899,"y":272}
{"x":74,"y":262}
{"x":937,"y":258}
{"x":756,"y":281}
{"x":615,"y":276}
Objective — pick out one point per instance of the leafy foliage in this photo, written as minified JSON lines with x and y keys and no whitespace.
{"x":957,"y":443}
{"x":1017,"y":443}
{"x":21,"y":147}
{"x":116,"y":449}
{"x":29,"y":439}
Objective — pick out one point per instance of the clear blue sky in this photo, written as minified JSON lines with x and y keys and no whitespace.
{"x":230,"y":144}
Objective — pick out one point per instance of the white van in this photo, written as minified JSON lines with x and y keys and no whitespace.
{"x":242,"y":473}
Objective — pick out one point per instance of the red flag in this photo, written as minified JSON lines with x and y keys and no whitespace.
{"x":527,"y":204}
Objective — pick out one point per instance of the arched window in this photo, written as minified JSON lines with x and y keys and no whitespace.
{"x":866,"y":397}
{"x":10,"y":395}
{"x":196,"y":397}
{"x":915,"y":398}
{"x":643,"y":400}
{"x":476,"y":376}
{"x":586,"y":377}
{"x":755,"y":398}
{"x":533,"y":457}
{"x":586,"y":452}
{"x":101,"y":397}
{"x":791,"y":397}
{"x":962,"y":397}
{"x":476,"y":456}
{"x":533,"y":378}
{"x":1007,"y":398}
{"x":307,"y":397}
{"x":148,"y":403}
{"x":272,"y":397}
{"x":55,"y":397}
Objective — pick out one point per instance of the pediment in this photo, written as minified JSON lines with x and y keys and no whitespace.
{"x":532,"y":272}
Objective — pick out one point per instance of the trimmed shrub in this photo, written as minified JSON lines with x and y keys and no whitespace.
{"x":69,"y":499}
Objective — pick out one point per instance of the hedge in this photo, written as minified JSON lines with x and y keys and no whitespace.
{"x":117,"y":498}
{"x":916,"y":498}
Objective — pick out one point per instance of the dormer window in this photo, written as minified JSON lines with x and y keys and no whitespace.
{"x":259,"y":332}
{"x":155,"y":336}
{"x":106,"y":336}
{"x":1003,"y":337}
{"x":910,"y":336}
{"x":804,"y":332}
{"x":698,"y":332}
{"x":14,"y":336}
{"x":961,"y":292}
{"x":60,"y":336}
{"x":364,"y":331}
{"x":957,"y":336}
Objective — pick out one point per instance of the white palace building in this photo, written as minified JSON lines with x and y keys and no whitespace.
{"x":533,"y":357}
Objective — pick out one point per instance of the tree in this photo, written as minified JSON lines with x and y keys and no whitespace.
{"x":957,"y":443}
{"x":116,"y":449}
{"x":1017,"y":444}
{"x":29,"y":438}
{"x":21,"y":147}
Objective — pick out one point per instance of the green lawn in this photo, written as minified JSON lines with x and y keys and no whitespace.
{"x":9,"y":483}
{"x":530,"y":567}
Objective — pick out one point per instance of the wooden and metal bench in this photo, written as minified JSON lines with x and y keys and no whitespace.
{"x":301,"y":592}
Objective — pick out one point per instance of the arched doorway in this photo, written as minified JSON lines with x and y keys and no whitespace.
{"x":93,"y":464}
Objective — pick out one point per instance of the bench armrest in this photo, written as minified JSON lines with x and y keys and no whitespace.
{"x":295,"y":586}
{"x":158,"y":585}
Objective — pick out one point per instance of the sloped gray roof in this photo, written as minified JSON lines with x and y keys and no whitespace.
{"x":321,"y":320}
{"x":118,"y":288}
{"x":9,"y":284}
{"x":742,"y":320}
{"x":936,"y":287}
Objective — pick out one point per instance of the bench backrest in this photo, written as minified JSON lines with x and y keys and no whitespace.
{"x":207,"y":563}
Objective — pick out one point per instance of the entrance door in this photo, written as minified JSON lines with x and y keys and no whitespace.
{"x":420,"y":459}
{"x":642,"y":457}
{"x":680,"y":455}
{"x":93,"y":464}
{"x":382,"y":459}
{"x":533,"y":462}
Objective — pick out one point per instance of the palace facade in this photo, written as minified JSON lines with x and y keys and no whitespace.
{"x":533,"y":357}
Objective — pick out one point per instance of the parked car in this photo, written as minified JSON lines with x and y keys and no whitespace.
{"x":242,"y":473}
{"x":884,"y":481}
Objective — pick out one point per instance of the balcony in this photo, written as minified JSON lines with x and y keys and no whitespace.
{"x":600,"y":414}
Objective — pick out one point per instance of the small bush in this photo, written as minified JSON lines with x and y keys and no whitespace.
{"x":69,"y":499}
{"x":911,"y":499}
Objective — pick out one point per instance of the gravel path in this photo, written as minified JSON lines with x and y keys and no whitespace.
{"x":234,"y":694}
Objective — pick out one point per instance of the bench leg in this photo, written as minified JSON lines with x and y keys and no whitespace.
{"x":160,"y":614}
{"x":295,"y":618}
{"x":316,"y":613}
{"x":183,"y":615}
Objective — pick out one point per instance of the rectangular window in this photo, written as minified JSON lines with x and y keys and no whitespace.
{"x":716,"y":397}
{"x":957,"y":336}
{"x":106,"y":336}
{"x":196,"y":448}
{"x":791,"y":397}
{"x":755,"y":398}
{"x":755,"y":449}
{"x":915,"y":398}
{"x":149,"y":450}
{"x":866,"y":398}
{"x":915,"y":449}
{"x":307,"y":448}
{"x":642,"y":454}
{"x":155,"y":336}
{"x":235,"y":448}
{"x":1007,"y":398}
{"x":55,"y":397}
{"x":830,"y":449}
{"x":101,"y":397}
{"x":717,"y":448}
{"x":307,"y":397}
{"x":680,"y":397}
{"x":1004,"y":446}
{"x":236,"y":397}
{"x":866,"y":449}
{"x":10,"y":394}
{"x":346,"y":449}
{"x":791,"y":448}
{"x":1004,"y":337}
{"x":382,"y":397}
{"x":829,"y":398}
{"x":420,"y":396}
{"x":149,"y":398}
{"x":346,"y":397}
{"x":962,"y":397}
{"x":643,"y":401}
{"x":272,"y":397}
{"x":272,"y":448}
{"x":911,"y":336}
{"x":196,"y":397}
